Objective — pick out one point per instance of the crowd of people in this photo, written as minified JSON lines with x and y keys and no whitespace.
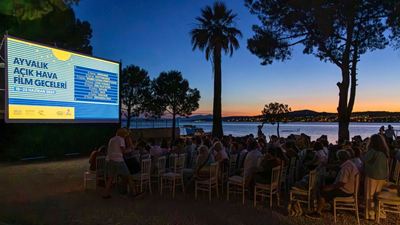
{"x":255,"y":157}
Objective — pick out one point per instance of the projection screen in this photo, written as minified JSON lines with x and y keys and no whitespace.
{"x":47,"y":84}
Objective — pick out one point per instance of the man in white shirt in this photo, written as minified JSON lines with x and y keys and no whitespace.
{"x":343,"y":185}
{"x":115,"y":160}
{"x":251,"y":160}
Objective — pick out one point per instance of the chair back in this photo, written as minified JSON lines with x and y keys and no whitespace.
{"x":292,"y":170}
{"x":146,"y":167}
{"x":312,"y":180}
{"x":161,"y":164}
{"x":275,"y":176}
{"x":283,"y":173}
{"x":179,"y":163}
{"x":100,"y":165}
{"x":232,"y":163}
{"x":214,"y":170}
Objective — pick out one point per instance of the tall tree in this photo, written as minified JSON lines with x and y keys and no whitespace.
{"x":275,"y":112}
{"x":335,"y":31}
{"x":173,"y":94}
{"x":135,"y":92}
{"x":215,"y":32}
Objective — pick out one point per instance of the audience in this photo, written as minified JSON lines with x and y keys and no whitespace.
{"x":336,"y":164}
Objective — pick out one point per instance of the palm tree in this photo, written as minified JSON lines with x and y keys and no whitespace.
{"x":215,"y":31}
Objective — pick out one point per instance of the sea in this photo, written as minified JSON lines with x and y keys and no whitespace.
{"x":313,"y":129}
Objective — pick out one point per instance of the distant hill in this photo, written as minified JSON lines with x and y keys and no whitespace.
{"x":309,"y":116}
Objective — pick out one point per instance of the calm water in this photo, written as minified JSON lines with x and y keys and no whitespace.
{"x":313,"y":129}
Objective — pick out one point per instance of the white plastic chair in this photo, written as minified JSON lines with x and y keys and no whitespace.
{"x":208,"y":184}
{"x":298,"y":194}
{"x":348,"y":203}
{"x":144,"y":177}
{"x":174,"y":178}
{"x":268,"y":190}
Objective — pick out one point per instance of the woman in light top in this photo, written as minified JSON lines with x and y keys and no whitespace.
{"x":376,"y":171}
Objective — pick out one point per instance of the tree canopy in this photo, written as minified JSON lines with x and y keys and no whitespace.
{"x":337,"y":31}
{"x":275,"y":112}
{"x":135,"y":91}
{"x":172,"y":94}
{"x":56,"y":26}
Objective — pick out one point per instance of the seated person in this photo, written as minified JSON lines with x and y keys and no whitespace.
{"x":204,"y":160}
{"x":219,"y":152}
{"x":95,"y":153}
{"x":264,"y":172}
{"x":343,"y":185}
{"x":250,"y":162}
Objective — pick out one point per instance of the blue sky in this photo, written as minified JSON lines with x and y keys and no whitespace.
{"x":155,"y":36}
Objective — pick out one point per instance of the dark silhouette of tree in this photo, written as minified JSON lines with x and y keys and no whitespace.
{"x":172,"y":94}
{"x":32,"y":9}
{"x":215,"y":31}
{"x":58,"y":27}
{"x":275,"y":112}
{"x":135,"y":92}
{"x":334,"y":31}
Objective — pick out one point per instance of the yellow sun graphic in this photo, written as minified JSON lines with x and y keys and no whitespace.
{"x":61,"y":55}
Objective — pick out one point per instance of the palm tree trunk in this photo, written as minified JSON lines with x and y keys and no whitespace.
{"x":217,"y":118}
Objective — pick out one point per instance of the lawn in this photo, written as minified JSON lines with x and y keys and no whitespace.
{"x":52,"y":193}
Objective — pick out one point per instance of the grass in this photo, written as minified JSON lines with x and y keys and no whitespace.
{"x":52,"y":193}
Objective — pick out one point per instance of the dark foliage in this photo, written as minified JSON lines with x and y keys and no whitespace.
{"x":172,"y":94}
{"x":337,"y":31}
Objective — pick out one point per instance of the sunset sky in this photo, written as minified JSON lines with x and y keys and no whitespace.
{"x":155,"y":36}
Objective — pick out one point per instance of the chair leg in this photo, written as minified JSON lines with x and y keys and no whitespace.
{"x":218,"y":191}
{"x":278,"y":198}
{"x":141,"y":185}
{"x":150,"y":186}
{"x":195,"y":190}
{"x":84,"y":181}
{"x":161,"y":186}
{"x":243,"y":194}
{"x":334,"y":210}
{"x":209,"y":192}
{"x":173,"y":187}
{"x":183,"y":187}
{"x":227,"y":191}
{"x":270,"y":198}
{"x":358,"y":217}
{"x":255,"y":196}
{"x":377,"y":217}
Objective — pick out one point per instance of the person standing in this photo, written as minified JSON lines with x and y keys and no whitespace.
{"x":115,"y":160}
{"x":376,"y":171}
{"x":390,"y":134}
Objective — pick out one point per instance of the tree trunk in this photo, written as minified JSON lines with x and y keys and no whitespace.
{"x":277,"y":130}
{"x":217,"y":118}
{"x":343,"y":114}
{"x":173,"y":127}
